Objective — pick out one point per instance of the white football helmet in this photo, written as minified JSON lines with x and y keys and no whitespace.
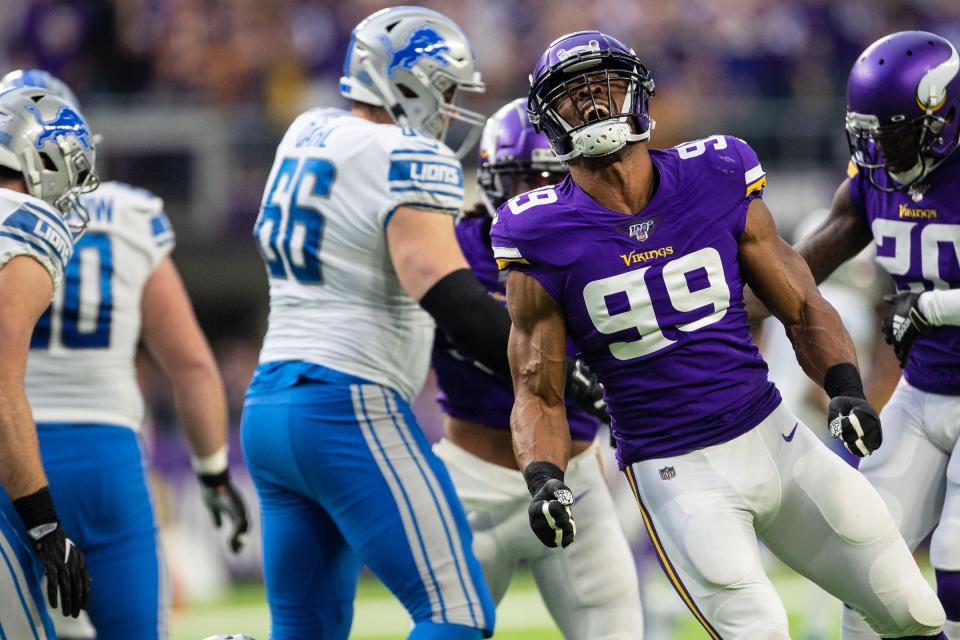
{"x":410,"y":60}
{"x":45,"y":138}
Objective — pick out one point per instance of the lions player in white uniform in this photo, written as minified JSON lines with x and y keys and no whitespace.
{"x":46,"y":161}
{"x":121,"y":286}
{"x":356,"y":230}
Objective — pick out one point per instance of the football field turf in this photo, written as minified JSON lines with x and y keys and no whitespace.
{"x":521,"y":616}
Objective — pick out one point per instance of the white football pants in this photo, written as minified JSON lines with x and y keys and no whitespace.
{"x":917,"y":473}
{"x":705,"y":509}
{"x":590,"y":588}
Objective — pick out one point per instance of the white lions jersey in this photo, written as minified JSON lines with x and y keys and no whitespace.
{"x":334,"y":296}
{"x":81,"y":364}
{"x":29,"y":226}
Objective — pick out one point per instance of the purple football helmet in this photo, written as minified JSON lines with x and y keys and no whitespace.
{"x":903,"y":108}
{"x":589,"y":94}
{"x":514,"y":157}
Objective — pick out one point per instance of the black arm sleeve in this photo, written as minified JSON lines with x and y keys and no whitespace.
{"x":475,"y":322}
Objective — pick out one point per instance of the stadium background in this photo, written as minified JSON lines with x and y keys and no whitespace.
{"x":192,"y":96}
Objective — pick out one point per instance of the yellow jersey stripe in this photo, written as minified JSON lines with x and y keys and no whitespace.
{"x":756,"y":186}
{"x":665,"y":561}
{"x":503,"y":263}
{"x":852,"y":169}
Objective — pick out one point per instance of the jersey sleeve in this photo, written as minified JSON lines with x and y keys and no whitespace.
{"x":516,"y":243}
{"x":424,"y":174}
{"x":754,"y":177}
{"x":39,"y":232}
{"x":143,"y":212}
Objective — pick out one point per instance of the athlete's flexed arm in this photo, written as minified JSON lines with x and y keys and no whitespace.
{"x":26,"y":289}
{"x":172,"y":335}
{"x":541,"y":436}
{"x":782,"y":280}
{"x":841,"y":236}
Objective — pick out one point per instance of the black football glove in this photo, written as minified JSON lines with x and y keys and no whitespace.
{"x":856,"y":423}
{"x":850,"y":417}
{"x":68,"y":582}
{"x":222,"y":499}
{"x":583,"y":388}
{"x":550,"y":515}
{"x":903,"y":323}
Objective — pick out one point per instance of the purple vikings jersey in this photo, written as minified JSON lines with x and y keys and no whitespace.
{"x":467,"y":391}
{"x":917,"y":235}
{"x":654,"y":301}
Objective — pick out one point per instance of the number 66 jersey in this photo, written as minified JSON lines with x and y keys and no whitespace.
{"x":654,"y":300}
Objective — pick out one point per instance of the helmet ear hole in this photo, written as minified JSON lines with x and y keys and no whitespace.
{"x":47,"y":161}
{"x":406,"y":91}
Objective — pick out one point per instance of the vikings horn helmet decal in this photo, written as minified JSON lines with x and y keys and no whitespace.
{"x":903,"y":108}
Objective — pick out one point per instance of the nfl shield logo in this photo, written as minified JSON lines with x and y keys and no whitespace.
{"x":667,"y":472}
{"x":641,"y":230}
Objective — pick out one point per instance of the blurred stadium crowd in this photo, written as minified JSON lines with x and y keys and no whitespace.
{"x":152,"y":71}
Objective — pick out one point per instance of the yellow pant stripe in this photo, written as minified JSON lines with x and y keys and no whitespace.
{"x":665,"y":561}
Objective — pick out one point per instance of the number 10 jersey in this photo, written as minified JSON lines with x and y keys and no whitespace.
{"x":335,"y":299}
{"x":654,"y":301}
{"x":81,"y":365}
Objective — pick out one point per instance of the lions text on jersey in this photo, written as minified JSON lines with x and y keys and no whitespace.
{"x":334,"y":297}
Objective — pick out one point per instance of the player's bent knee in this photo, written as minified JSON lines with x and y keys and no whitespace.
{"x":435,"y":631}
{"x":909,"y":605}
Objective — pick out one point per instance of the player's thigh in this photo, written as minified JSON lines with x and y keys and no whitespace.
{"x":495,"y":501}
{"x":110,"y":518}
{"x":833,"y":528}
{"x":908,"y":470}
{"x":591,"y":587}
{"x":400,"y":512}
{"x":23,"y":612}
{"x":702,"y":530}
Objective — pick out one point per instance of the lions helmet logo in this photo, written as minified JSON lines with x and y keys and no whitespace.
{"x":424,"y":42}
{"x":67,"y":122}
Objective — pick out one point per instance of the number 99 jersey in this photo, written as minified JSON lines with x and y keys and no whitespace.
{"x":335,"y":299}
{"x":81,"y":363}
{"x":654,"y":301}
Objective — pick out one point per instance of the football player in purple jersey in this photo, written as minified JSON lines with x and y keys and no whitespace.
{"x":641,"y":257}
{"x":903,"y":193}
{"x":591,"y":590}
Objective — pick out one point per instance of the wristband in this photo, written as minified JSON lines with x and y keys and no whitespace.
{"x":214,"y":464}
{"x":843,"y":380}
{"x":538,"y":473}
{"x":37,"y":512}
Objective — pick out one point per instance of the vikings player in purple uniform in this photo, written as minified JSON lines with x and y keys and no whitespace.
{"x":903,"y":193}
{"x":641,"y":256}
{"x":591,"y":590}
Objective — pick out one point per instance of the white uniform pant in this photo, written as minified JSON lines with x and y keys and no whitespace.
{"x":705,"y":509}
{"x":590,"y":588}
{"x":917,"y":473}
